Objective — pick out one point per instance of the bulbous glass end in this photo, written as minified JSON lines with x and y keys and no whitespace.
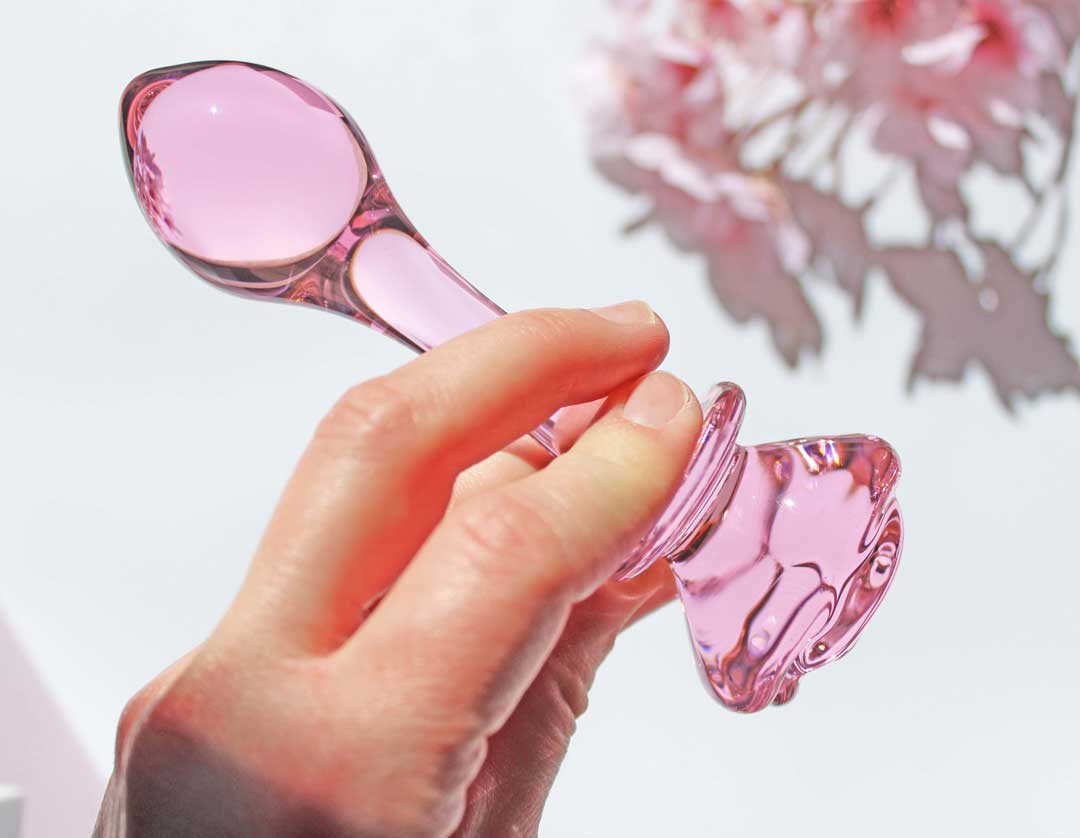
{"x":244,"y":166}
{"x":782,"y":552}
{"x":265,"y":187}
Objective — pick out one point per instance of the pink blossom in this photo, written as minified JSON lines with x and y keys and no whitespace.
{"x":704,"y":205}
{"x":1066,"y":17}
{"x":654,"y":84}
{"x":993,"y":42}
{"x":888,"y":17}
{"x":964,"y":94}
{"x":713,"y":19}
{"x":869,"y":37}
{"x":722,"y":114}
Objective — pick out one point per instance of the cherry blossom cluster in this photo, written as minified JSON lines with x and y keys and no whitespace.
{"x":766,"y":134}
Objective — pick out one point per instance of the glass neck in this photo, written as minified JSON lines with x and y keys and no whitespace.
{"x":406,"y":290}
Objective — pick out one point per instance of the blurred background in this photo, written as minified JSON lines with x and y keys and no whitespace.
{"x":150,"y":422}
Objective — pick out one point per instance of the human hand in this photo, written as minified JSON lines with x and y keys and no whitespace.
{"x":423,"y":618}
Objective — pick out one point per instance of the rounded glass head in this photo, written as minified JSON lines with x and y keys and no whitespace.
{"x":241,"y":166}
{"x":264,"y":186}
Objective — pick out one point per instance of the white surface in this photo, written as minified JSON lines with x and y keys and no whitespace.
{"x":41,"y":752}
{"x":10,"y":811}
{"x":150,"y":421}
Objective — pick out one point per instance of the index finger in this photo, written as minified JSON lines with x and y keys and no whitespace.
{"x":379,"y":472}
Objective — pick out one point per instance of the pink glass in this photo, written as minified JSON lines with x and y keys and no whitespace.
{"x":265,"y":187}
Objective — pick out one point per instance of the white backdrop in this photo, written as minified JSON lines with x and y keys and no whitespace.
{"x":149,"y":422}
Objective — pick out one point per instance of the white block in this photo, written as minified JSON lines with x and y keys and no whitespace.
{"x":10,"y":811}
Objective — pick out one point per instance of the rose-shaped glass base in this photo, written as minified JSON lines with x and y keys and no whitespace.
{"x":782,"y":552}
{"x":265,"y":187}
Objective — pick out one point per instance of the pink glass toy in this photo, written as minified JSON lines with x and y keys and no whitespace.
{"x":263,"y":186}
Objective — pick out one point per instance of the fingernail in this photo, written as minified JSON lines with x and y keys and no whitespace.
{"x":634,"y":312}
{"x":656,"y":401}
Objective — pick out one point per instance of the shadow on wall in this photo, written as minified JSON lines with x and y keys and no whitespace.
{"x":40,"y":754}
{"x":786,"y":140}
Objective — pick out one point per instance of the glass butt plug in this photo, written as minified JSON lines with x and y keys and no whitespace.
{"x":265,"y":187}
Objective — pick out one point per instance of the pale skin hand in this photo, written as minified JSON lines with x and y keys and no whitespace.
{"x":446,"y":706}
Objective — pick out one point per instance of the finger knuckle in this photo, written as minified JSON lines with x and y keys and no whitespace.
{"x":368,"y":416}
{"x":568,"y":685}
{"x":563,"y":687}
